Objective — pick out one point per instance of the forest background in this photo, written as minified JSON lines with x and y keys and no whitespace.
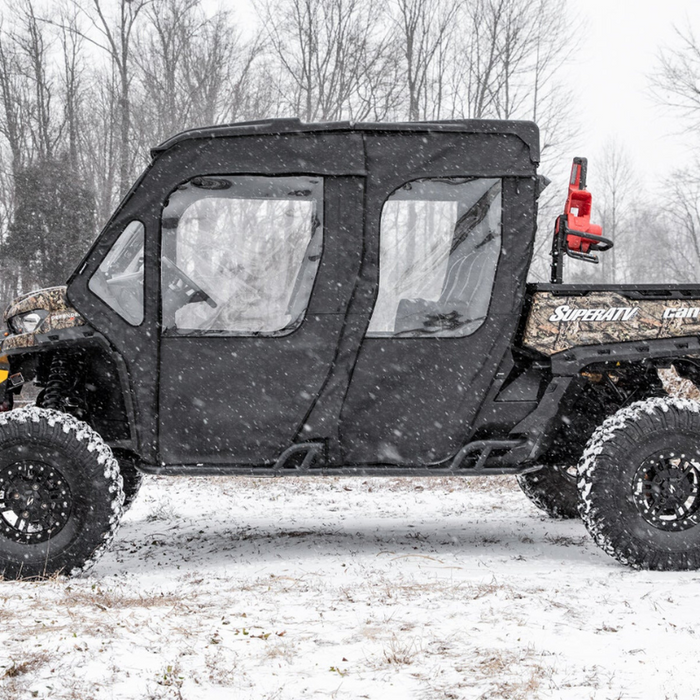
{"x":87,"y":87}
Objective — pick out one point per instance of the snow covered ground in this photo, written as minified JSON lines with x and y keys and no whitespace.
{"x":350,"y":588}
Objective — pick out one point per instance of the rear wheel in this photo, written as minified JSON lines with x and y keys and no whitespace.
{"x":60,"y":494}
{"x":553,"y":490}
{"x":639,"y":480}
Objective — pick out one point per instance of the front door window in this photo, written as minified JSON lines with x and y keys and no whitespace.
{"x":240,"y":254}
{"x":118,"y":281}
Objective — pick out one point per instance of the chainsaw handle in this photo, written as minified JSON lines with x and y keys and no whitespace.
{"x":600,"y":243}
{"x":582,"y":256}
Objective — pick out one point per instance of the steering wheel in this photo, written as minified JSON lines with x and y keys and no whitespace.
{"x":126,"y":279}
{"x":198,"y":294}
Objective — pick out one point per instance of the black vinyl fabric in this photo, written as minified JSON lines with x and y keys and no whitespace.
{"x":371,"y":400}
{"x":412,"y":400}
{"x":242,"y":400}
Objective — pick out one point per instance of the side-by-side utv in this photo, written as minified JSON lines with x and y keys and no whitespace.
{"x":279,"y":298}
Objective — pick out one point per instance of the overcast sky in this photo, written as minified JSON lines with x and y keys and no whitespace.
{"x":621,"y":40}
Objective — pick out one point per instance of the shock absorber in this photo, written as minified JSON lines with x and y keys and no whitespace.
{"x":59,"y":384}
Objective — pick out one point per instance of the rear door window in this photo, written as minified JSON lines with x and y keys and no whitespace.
{"x":440,"y":240}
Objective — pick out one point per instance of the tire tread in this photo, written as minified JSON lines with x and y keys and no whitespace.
{"x":58,"y":428}
{"x":618,"y":432}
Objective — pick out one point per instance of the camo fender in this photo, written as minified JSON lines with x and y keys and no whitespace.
{"x":61,"y":316}
{"x":557,"y":323}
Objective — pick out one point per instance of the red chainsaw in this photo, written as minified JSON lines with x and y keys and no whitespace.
{"x":574,"y":234}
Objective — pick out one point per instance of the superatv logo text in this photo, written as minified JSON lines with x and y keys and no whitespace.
{"x":566,"y":313}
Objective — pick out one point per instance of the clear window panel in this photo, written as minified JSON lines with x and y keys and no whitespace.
{"x":240,"y":254}
{"x":440,"y":240}
{"x":118,"y":281}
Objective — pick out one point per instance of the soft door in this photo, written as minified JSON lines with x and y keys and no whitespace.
{"x":248,"y":335}
{"x":438,"y":325}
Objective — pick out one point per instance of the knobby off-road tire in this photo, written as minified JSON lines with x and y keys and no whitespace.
{"x":132,"y":478}
{"x":552,"y":490}
{"x":639,"y":480}
{"x":60,"y":494}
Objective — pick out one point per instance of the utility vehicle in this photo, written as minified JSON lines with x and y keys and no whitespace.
{"x":278,"y":298}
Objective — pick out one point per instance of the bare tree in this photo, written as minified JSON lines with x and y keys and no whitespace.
{"x":13,"y":93}
{"x":324,"y":51}
{"x":32,"y":44}
{"x":425,"y":29}
{"x":507,"y":54}
{"x":113,"y":32}
{"x":676,"y":84}
{"x":511,"y":57}
{"x":164,"y":52}
{"x":15,"y":99}
{"x":618,"y":187}
{"x":683,"y":230}
{"x":29,"y":123}
{"x":100,"y":150}
{"x":193,"y":69}
{"x":224,"y":75}
{"x":47,"y":209}
{"x":676,"y":81}
{"x":478,"y":59}
{"x":72,"y":81}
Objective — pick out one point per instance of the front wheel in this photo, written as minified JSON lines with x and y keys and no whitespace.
{"x":639,"y":481}
{"x":60,"y":494}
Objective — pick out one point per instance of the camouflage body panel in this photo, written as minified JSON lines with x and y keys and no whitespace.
{"x":557,"y":322}
{"x":61,"y":315}
{"x":51,"y":299}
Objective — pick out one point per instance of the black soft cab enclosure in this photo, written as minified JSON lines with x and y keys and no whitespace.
{"x":349,"y":287}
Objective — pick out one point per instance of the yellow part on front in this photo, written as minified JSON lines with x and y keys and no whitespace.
{"x":4,"y":368}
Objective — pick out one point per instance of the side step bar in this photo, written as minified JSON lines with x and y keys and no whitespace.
{"x":308,"y":458}
{"x":312,"y":452}
{"x":484,"y":448}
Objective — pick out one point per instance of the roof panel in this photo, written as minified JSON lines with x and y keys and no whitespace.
{"x":526,"y":131}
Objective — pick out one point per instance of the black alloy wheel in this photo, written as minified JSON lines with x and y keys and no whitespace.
{"x":35,"y":501}
{"x":639,"y":480}
{"x":60,"y":494}
{"x":667,"y":491}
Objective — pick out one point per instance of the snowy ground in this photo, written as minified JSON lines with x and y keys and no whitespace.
{"x":350,"y":588}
